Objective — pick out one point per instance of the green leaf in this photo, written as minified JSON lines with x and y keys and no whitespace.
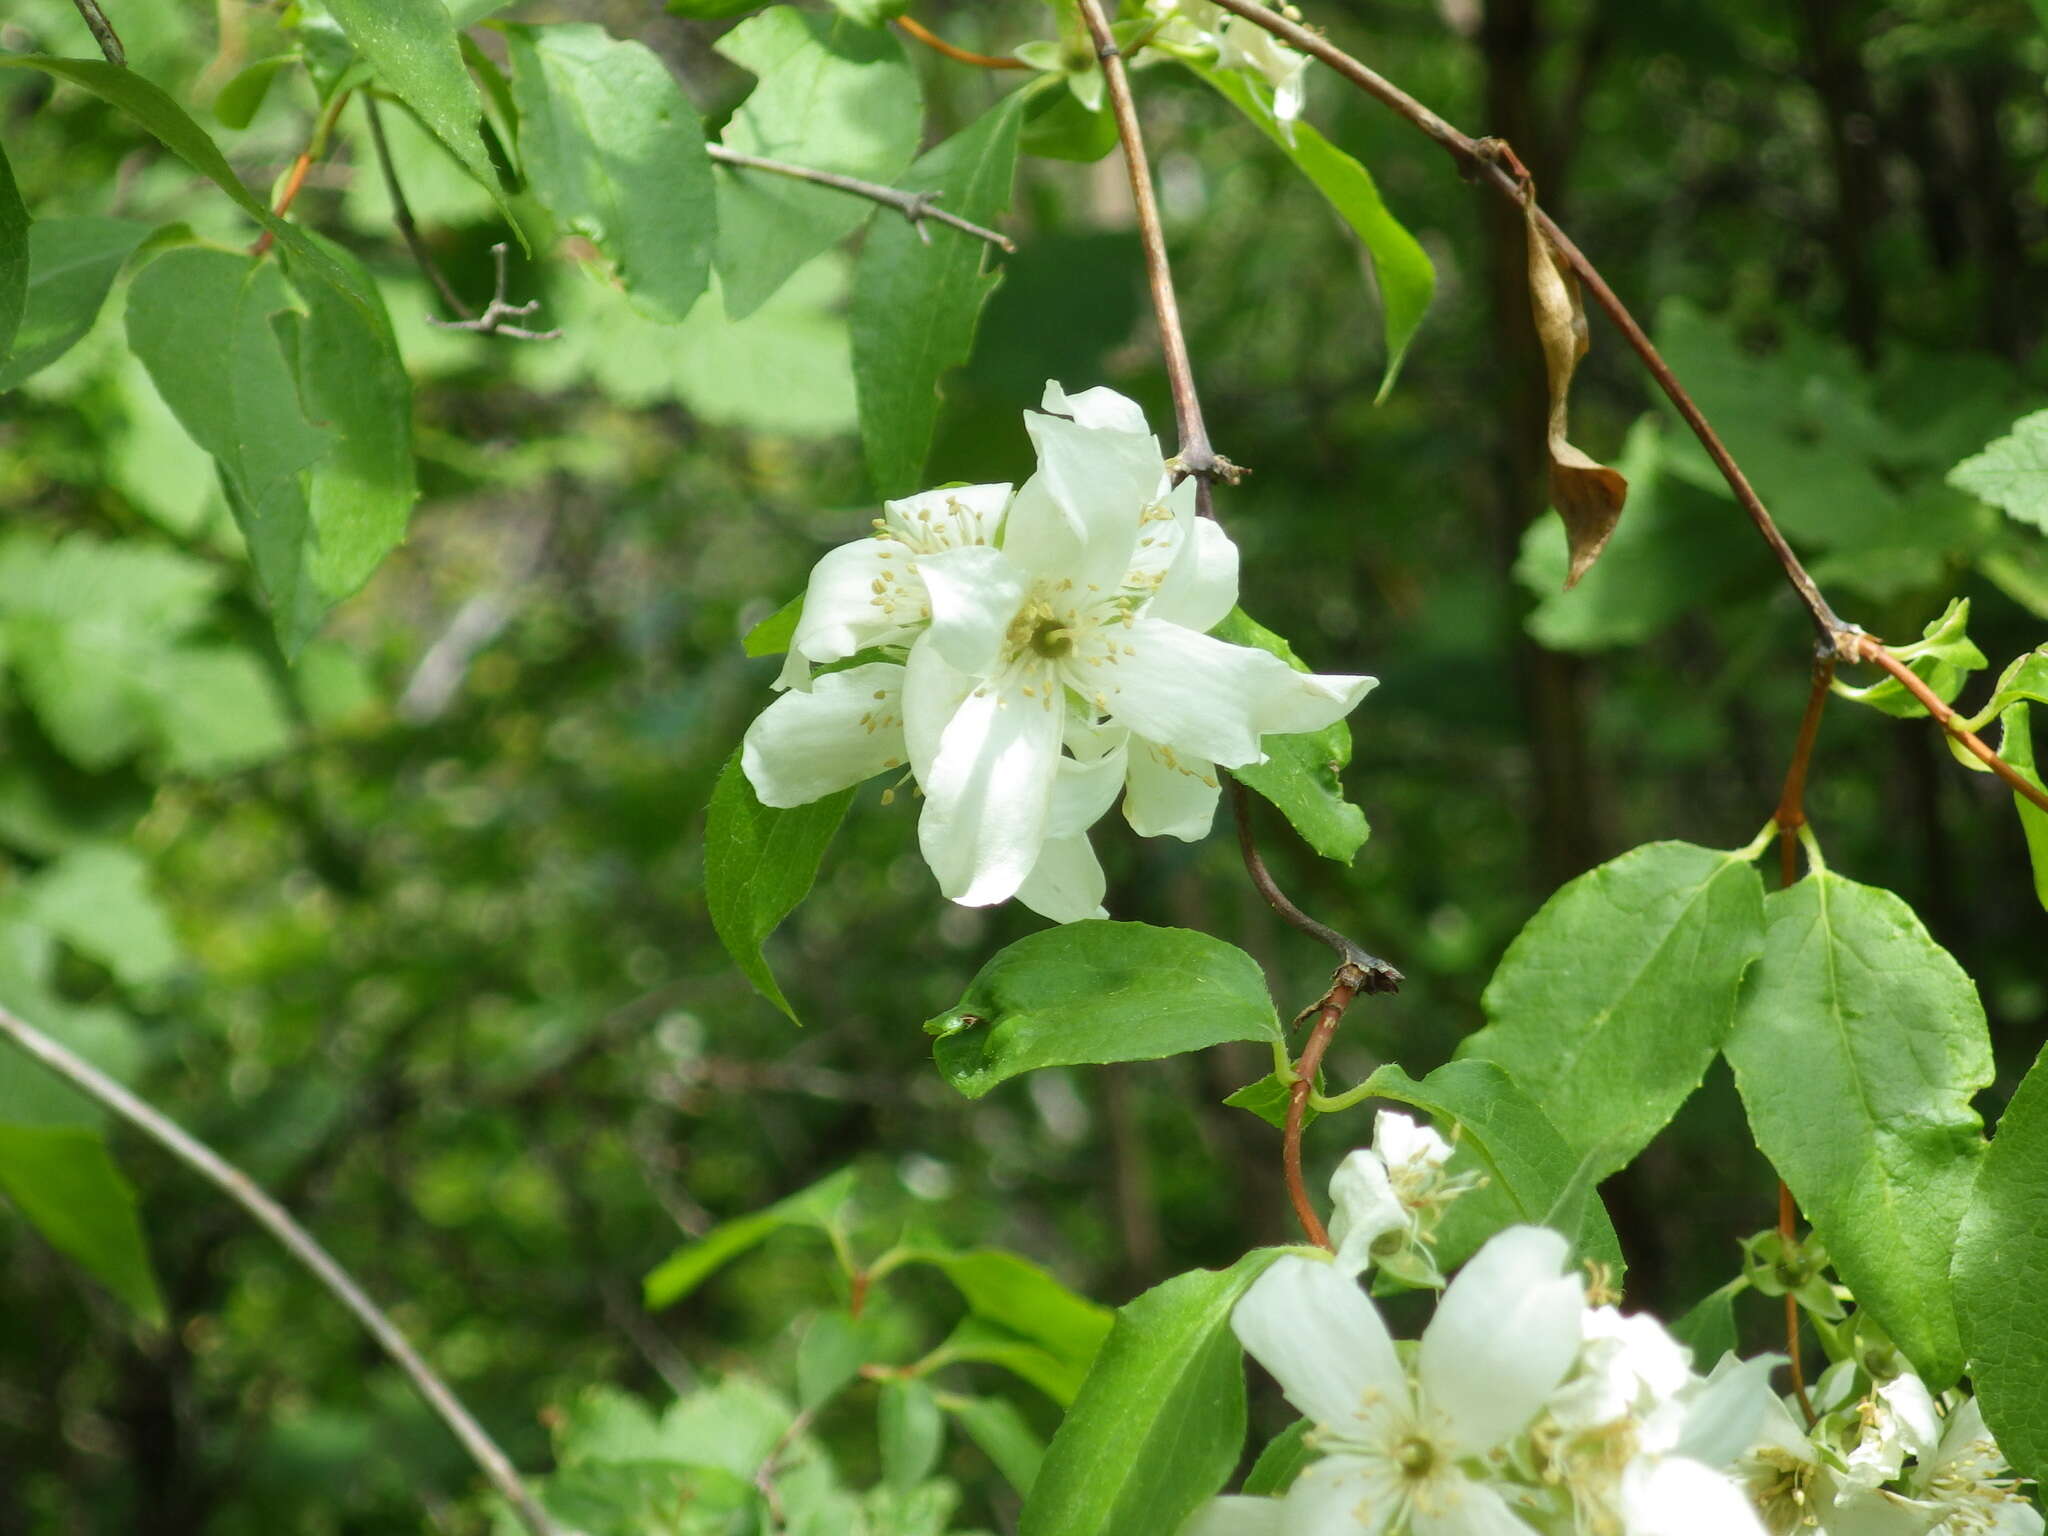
{"x":616,"y":153}
{"x":1302,"y":774}
{"x":61,"y":1178}
{"x":71,"y":265}
{"x":834,"y":1347}
{"x":1099,"y":991}
{"x":918,"y":293}
{"x":1058,"y":127}
{"x":242,"y":97}
{"x":712,"y":10}
{"x":994,"y":1424}
{"x":1281,"y":1462}
{"x":1708,"y":1329}
{"x":695,"y":1262}
{"x":15,"y":262}
{"x":772,"y":635}
{"x":1857,"y":1046}
{"x":1612,"y":1002}
{"x":412,"y":46}
{"x":832,"y":97}
{"x":1159,"y":1424}
{"x":97,"y":899}
{"x":975,"y":1340}
{"x":758,"y":863}
{"x":911,"y":1430}
{"x":1401,"y":267}
{"x":2012,"y":472}
{"x":2001,"y":1246}
{"x":1528,"y":1164}
{"x":1017,"y":1295}
{"x":1942,"y":658}
{"x":1268,"y":1097}
{"x":2016,"y":746}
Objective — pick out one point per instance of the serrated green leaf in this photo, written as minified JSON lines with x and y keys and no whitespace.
{"x":14,"y":259}
{"x":1098,"y":991}
{"x":1159,"y":1424}
{"x":1611,"y":1003}
{"x":62,"y":1179}
{"x":412,"y":46}
{"x":2012,"y":472}
{"x":1302,"y":774}
{"x":911,"y":1430}
{"x":616,"y":153}
{"x":71,"y":265}
{"x":98,"y":900}
{"x":918,"y":293}
{"x":831,"y":96}
{"x":1943,"y":658}
{"x":758,"y":864}
{"x":1528,"y":1163}
{"x":2001,"y":1244}
{"x":1857,"y":1047}
{"x":816,"y":1208}
{"x":999,"y":1429}
{"x":1405,"y":276}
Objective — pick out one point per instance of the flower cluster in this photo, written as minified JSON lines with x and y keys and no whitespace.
{"x":1028,"y":656}
{"x":1237,"y":44}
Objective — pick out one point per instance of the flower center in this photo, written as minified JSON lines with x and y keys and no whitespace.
{"x":1038,"y":629}
{"x":1414,"y":1455}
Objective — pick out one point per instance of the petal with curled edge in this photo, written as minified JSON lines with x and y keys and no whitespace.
{"x":1200,"y":586}
{"x":1066,"y":883}
{"x":848,"y":728}
{"x":1307,"y":1322}
{"x":975,"y":593}
{"x":844,"y":611}
{"x":933,"y":689}
{"x":990,"y":788}
{"x":1102,"y":409}
{"x":1366,"y":1209}
{"x":1170,"y":795}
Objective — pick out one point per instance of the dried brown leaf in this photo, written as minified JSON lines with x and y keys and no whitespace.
{"x":1587,"y":494}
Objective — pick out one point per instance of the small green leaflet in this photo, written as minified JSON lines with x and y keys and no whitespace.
{"x":758,"y":863}
{"x":1302,"y":775}
{"x":1281,"y":1462}
{"x":1098,"y":991}
{"x":1005,"y":1438}
{"x":918,"y":292}
{"x":1027,"y":1304}
{"x":772,"y":635}
{"x":14,"y":258}
{"x":616,"y":153}
{"x":832,"y":96}
{"x":2016,"y":746}
{"x":1943,"y":658}
{"x":2000,"y":1250}
{"x":71,"y":265}
{"x":242,"y":97}
{"x":834,"y":1347}
{"x":2012,"y":472}
{"x":61,"y":1178}
{"x":97,"y":899}
{"x":1159,"y":1424}
{"x":910,"y":1430}
{"x":1611,"y":1003}
{"x":1407,"y":281}
{"x":816,"y":1208}
{"x":1857,"y":1047}
{"x":1708,"y":1329}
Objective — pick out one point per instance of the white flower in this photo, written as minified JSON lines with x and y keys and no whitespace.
{"x":1401,"y":1456}
{"x":1055,"y":650}
{"x":1388,"y":1199}
{"x":1967,"y":1483}
{"x":1239,"y":44}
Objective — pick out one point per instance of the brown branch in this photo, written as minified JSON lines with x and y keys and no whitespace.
{"x":500,"y":309}
{"x":1329,"y":1013}
{"x":1196,"y":456}
{"x":1871,"y":649}
{"x":914,"y":206}
{"x":103,"y":32}
{"x":1788,"y":1217}
{"x":1477,"y":158}
{"x":302,"y":1245}
{"x":1380,"y":976}
{"x":931,"y":40}
{"x":1791,"y":812}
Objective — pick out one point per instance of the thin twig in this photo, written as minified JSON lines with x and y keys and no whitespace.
{"x":1329,"y":1012}
{"x":1873,"y":650}
{"x":103,"y":32}
{"x":240,"y":1188}
{"x":316,"y":146}
{"x":1482,"y":158}
{"x":1380,"y":976}
{"x":401,"y":215}
{"x":1791,"y":812}
{"x":500,"y":309}
{"x":914,"y":206}
{"x":1196,"y":456}
{"x":923,"y":34}
{"x":1788,"y":1217}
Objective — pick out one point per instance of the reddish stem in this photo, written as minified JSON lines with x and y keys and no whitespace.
{"x":1874,"y":650}
{"x":1331,"y":1010}
{"x":1788,"y":1219}
{"x":959,"y":55}
{"x":1791,"y":812}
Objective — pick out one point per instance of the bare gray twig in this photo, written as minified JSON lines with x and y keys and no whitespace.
{"x":103,"y":32}
{"x":914,"y":206}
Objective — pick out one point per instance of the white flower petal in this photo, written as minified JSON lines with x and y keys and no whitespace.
{"x":1675,"y":1496}
{"x":947,"y":518}
{"x":1237,"y":1516}
{"x":795,"y":673}
{"x":1309,"y":1325}
{"x":1066,"y":883}
{"x":1503,"y":1337}
{"x":1402,"y":1140}
{"x":805,"y":746}
{"x":1170,"y":795}
{"x":1083,"y":791}
{"x":1200,"y":587}
{"x":933,"y":689}
{"x":974,"y":593}
{"x":843,"y":612}
{"x":990,"y":788}
{"x":1725,"y":1415}
{"x":1206,"y":698}
{"x":1462,"y":1506}
{"x":1366,"y":1209}
{"x":1101,"y":408}
{"x":1912,"y":1409}
{"x":1342,"y":1495}
{"x":1099,"y":480}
